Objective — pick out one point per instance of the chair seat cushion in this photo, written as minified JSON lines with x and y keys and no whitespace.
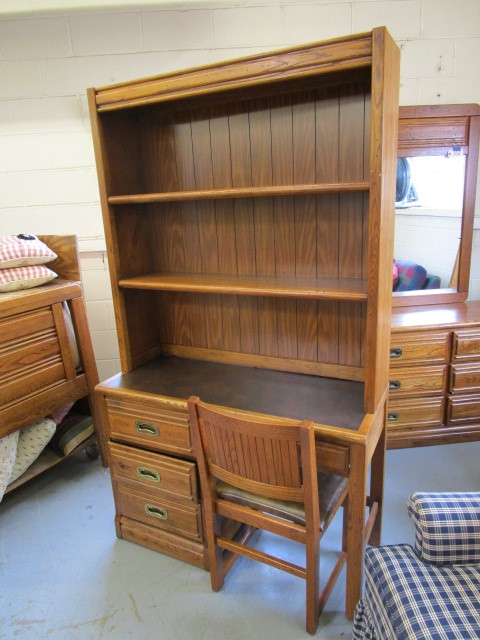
{"x":330,"y":488}
{"x":409,"y":599}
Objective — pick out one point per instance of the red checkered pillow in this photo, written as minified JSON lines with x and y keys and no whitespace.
{"x":22,"y":250}
{"x":24,"y":277}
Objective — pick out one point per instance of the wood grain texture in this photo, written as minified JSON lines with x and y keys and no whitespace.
{"x":295,"y":62}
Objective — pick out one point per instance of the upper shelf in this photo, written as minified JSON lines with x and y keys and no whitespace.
{"x":242,"y":192}
{"x":345,"y":289}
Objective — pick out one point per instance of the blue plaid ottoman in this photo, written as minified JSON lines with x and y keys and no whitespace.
{"x":431,"y":592}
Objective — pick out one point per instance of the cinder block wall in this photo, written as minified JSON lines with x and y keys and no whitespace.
{"x":48,"y":57}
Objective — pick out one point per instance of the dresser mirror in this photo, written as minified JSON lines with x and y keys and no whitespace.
{"x":435,"y":199}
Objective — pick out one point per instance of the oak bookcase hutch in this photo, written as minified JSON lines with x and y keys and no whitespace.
{"x":248,"y":212}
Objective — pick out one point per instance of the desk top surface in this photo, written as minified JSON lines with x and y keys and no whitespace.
{"x":289,"y":395}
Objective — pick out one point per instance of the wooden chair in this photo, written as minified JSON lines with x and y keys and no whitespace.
{"x":264,"y":476}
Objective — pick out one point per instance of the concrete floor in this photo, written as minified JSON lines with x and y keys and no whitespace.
{"x":64,"y":575}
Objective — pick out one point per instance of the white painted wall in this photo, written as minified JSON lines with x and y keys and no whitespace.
{"x":51,"y":51}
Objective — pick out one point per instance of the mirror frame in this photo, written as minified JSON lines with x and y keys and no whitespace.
{"x":433,"y":130}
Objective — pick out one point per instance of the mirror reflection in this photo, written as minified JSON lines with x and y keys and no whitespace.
{"x":428,"y":219}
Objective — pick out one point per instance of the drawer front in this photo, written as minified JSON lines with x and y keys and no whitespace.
{"x":463,"y":409}
{"x":154,"y":470}
{"x":419,"y":347}
{"x":153,"y":426}
{"x":158,"y":509}
{"x":466,"y":345}
{"x":414,"y":380}
{"x":332,"y":457}
{"x":465,"y":377}
{"x":415,"y":411}
{"x":191,"y":551}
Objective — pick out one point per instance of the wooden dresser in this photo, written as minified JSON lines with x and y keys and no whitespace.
{"x":434,"y":386}
{"x":38,"y":372}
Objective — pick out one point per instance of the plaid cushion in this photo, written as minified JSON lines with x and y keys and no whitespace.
{"x":407,"y":599}
{"x":447,"y":526}
{"x":410,"y":276}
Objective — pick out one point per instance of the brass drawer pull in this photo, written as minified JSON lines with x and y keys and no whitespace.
{"x":156,"y":512}
{"x":148,"y":474}
{"x":394,"y":384}
{"x":147,"y":428}
{"x":393,"y":416}
{"x":396,"y":353}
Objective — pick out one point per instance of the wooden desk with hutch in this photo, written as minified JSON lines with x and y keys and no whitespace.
{"x":247,"y":209}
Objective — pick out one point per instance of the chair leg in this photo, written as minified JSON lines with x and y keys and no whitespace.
{"x":312,"y":585}
{"x":215,"y":556}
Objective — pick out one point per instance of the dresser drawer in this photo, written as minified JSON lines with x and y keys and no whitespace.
{"x":419,"y":347}
{"x":464,"y":377}
{"x":463,"y":409}
{"x":417,"y":380}
{"x":466,"y":345}
{"x":154,"y":470}
{"x":415,"y":411}
{"x":158,"y":509}
{"x":155,"y":426}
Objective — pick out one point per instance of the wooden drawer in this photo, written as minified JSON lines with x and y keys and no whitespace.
{"x":464,"y":377}
{"x":463,"y":409}
{"x":466,"y":345}
{"x":191,"y":551}
{"x":154,"y":470}
{"x":415,"y":411}
{"x":332,"y":457}
{"x":158,"y":509}
{"x":152,"y":426}
{"x":416,"y":347}
{"x":406,"y":381}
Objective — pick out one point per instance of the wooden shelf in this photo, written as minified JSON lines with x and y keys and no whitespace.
{"x":241,"y":192}
{"x":47,"y":459}
{"x":349,"y":289}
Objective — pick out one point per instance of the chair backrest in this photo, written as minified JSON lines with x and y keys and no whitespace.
{"x":274,"y":460}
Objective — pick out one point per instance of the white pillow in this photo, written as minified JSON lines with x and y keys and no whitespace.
{"x":17,"y":278}
{"x":32,"y":440}
{"x":8,"y":452}
{"x":22,"y":250}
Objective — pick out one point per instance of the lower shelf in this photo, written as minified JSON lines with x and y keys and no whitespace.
{"x":47,"y":459}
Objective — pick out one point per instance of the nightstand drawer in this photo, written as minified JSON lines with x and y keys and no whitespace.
{"x":464,"y":377}
{"x":463,"y":409}
{"x":419,"y":347}
{"x":415,"y":411}
{"x":417,"y":380}
{"x":158,"y":509}
{"x":154,"y":470}
{"x":466,"y":344}
{"x":153,"y":426}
